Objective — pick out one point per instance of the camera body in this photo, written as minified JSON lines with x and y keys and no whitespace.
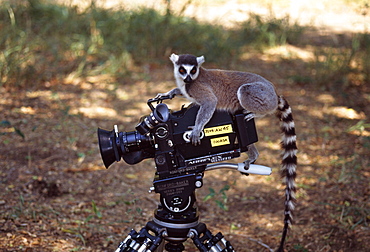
{"x":166,"y":139}
{"x":220,"y":141}
{"x":164,"y":136}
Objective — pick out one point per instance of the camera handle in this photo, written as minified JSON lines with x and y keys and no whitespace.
{"x":252,"y":169}
{"x":176,"y":230}
{"x":157,"y":100}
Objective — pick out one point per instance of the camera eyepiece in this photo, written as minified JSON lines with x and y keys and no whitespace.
{"x":159,"y":115}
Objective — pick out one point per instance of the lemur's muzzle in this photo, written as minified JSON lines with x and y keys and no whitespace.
{"x":188,"y":79}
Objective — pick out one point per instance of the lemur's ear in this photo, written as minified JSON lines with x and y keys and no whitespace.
{"x":174,"y":58}
{"x":200,"y":60}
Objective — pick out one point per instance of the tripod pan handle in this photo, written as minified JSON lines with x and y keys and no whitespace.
{"x":255,"y":169}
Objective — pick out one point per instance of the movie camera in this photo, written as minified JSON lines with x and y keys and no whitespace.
{"x":164,"y":136}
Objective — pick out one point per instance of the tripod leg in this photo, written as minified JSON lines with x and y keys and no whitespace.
{"x":126,"y":242}
{"x":142,"y":241}
{"x":205,"y":241}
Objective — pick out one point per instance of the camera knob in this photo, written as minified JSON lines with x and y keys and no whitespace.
{"x":198,"y":184}
{"x":160,"y":160}
{"x":161,"y":132}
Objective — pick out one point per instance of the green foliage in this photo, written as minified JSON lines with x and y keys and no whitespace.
{"x":299,"y":248}
{"x":331,"y":64}
{"x":334,"y":68}
{"x":349,"y":215}
{"x":85,"y":225}
{"x":268,"y":32}
{"x":41,"y":40}
{"x":220,"y":198}
{"x":364,"y":55}
{"x":360,"y":126}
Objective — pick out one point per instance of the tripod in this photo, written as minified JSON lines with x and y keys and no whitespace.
{"x":176,"y":219}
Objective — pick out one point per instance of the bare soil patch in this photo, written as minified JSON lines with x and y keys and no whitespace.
{"x":55,"y":194}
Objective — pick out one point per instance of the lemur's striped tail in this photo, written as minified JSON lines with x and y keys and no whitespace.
{"x":289,"y":163}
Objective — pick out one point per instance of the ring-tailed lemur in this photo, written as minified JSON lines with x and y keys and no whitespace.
{"x":218,"y":89}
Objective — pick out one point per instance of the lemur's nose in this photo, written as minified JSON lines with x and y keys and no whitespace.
{"x":188,"y":79}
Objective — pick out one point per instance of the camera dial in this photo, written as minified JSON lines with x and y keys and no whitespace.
{"x":161,"y":132}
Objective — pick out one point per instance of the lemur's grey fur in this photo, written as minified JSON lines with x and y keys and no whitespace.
{"x":215,"y":89}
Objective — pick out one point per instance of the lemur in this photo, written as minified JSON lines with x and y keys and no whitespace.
{"x":231,"y":91}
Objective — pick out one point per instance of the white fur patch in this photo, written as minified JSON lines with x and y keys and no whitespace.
{"x":288,"y":125}
{"x":291,"y":153}
{"x":289,"y":139}
{"x":286,"y":112}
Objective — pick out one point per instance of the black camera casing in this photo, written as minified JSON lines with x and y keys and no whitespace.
{"x":224,"y":137}
{"x":164,"y":136}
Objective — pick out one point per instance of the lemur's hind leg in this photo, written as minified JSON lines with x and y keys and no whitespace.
{"x":259,"y":98}
{"x":252,"y":156}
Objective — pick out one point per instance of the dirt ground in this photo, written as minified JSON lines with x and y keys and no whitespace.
{"x":56,"y":195}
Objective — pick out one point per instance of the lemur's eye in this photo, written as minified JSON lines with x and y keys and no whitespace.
{"x":182,"y":70}
{"x":194,"y":70}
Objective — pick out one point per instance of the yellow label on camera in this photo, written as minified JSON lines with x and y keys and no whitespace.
{"x":220,"y":141}
{"x":218,"y":130}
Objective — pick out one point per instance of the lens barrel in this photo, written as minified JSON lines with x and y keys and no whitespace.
{"x":133,"y":141}
{"x":132,"y":146}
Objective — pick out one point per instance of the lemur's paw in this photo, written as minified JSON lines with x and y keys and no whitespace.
{"x":159,"y":96}
{"x":195,"y":140}
{"x":247,"y":163}
{"x":195,"y":137}
{"x":164,"y":96}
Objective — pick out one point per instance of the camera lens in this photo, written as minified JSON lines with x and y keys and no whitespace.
{"x":133,"y":141}
{"x":131,"y":146}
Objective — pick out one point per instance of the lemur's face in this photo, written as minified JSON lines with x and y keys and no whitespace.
{"x":186,"y":66}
